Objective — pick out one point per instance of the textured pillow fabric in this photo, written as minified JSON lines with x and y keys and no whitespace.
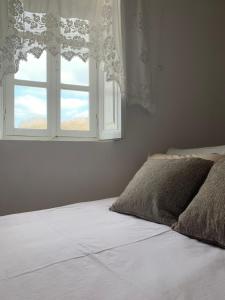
{"x":211,"y":156}
{"x":205,"y":150}
{"x":162,"y":189}
{"x":204,"y":218}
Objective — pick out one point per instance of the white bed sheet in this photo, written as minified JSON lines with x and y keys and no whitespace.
{"x":86,"y":252}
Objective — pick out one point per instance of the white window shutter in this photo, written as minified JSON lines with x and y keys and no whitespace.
{"x":109,"y":109}
{"x":1,"y":110}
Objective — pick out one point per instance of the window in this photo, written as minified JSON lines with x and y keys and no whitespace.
{"x":58,"y":95}
{"x":52,"y":98}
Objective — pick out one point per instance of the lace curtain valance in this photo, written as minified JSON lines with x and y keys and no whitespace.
{"x":84,"y":28}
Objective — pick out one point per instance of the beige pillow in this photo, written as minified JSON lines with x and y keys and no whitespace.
{"x":212,"y":156}
{"x":204,"y":218}
{"x":162,"y":189}
{"x":205,"y":150}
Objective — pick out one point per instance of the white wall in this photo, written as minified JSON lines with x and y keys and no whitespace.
{"x":190,"y":92}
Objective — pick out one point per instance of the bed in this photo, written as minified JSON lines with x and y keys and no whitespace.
{"x":86,"y":252}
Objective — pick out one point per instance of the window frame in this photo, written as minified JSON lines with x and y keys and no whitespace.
{"x":8,"y":101}
{"x":92,"y":90}
{"x":53,"y":87}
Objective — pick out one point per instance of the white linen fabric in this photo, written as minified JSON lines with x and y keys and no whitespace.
{"x":84,"y":28}
{"x":84,"y":251}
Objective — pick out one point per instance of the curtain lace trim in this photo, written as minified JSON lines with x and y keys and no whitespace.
{"x":35,"y":32}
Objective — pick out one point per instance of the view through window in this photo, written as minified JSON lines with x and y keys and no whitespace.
{"x":31,"y":94}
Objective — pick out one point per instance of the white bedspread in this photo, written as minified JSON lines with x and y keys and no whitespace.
{"x":86,"y":252}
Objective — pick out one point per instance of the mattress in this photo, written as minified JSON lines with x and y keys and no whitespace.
{"x":86,"y":252}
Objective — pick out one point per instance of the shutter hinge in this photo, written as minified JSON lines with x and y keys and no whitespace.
{"x":4,"y":114}
{"x":97,"y":121}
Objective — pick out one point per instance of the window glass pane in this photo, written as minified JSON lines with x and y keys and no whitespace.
{"x":30,"y":107}
{"x":75,"y":71}
{"x":33,"y":69}
{"x":74,"y":110}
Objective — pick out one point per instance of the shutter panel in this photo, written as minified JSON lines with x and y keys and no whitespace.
{"x":109,"y":109}
{"x":1,"y":110}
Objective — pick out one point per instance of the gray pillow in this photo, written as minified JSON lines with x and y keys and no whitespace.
{"x":204,"y":218}
{"x":162,"y":189}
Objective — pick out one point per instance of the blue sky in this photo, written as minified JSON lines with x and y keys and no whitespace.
{"x":31,"y":102}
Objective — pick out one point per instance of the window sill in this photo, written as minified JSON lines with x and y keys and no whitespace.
{"x":54,"y":139}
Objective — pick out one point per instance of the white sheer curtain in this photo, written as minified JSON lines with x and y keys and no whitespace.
{"x":81,"y":28}
{"x":84,"y":28}
{"x":138,"y":58}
